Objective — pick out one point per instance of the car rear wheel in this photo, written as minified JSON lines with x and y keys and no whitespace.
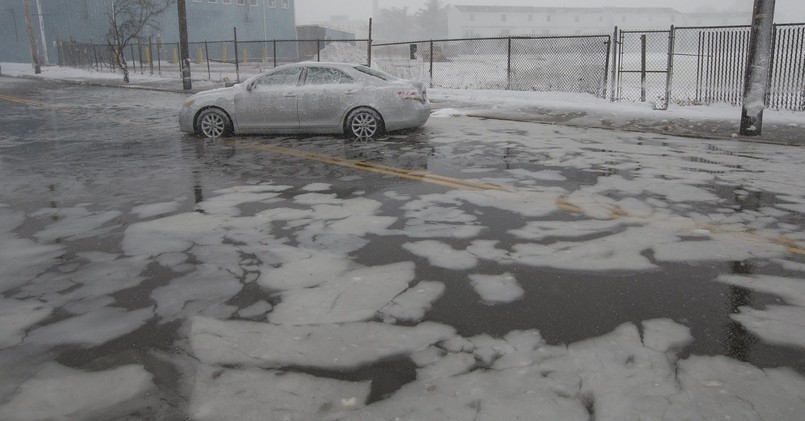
{"x":364,"y":124}
{"x":213,"y":122}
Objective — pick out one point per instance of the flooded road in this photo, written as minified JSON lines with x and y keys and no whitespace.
{"x":471,"y":269}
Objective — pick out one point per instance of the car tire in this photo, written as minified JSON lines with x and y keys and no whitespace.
{"x":213,"y":123}
{"x":364,"y":124}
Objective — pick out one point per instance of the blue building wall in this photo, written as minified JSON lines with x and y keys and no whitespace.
{"x":86,"y":21}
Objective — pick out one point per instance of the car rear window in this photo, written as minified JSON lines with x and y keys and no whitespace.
{"x":376,"y":73}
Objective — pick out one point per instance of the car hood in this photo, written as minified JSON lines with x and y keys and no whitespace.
{"x":217,"y":93}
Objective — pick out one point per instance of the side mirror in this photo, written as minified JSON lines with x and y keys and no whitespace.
{"x":250,"y":86}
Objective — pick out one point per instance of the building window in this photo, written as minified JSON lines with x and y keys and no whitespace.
{"x":272,"y":3}
{"x":503,"y":18}
{"x":601,"y":18}
{"x":241,"y":2}
{"x":548,"y":18}
{"x":576,"y":18}
{"x":530,"y":18}
{"x":623,"y":18}
{"x":472,"y":18}
{"x":253,"y":3}
{"x":226,"y":1}
{"x":212,"y":1}
{"x":286,"y":4}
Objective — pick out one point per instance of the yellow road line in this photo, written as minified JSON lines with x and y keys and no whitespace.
{"x":416,"y":175}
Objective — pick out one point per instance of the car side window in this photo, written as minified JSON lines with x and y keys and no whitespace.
{"x":284,"y":77}
{"x":326,"y":76}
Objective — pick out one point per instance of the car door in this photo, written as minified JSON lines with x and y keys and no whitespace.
{"x":269,"y":102}
{"x":325,"y":97}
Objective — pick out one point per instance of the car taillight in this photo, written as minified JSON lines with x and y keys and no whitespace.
{"x":415,"y":95}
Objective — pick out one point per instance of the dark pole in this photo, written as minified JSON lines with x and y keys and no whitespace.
{"x":369,"y":46}
{"x":237,"y":66}
{"x":187,"y":84}
{"x":756,"y":84}
{"x":642,"y":68}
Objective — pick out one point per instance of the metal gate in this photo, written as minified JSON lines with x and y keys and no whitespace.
{"x":643,"y":67}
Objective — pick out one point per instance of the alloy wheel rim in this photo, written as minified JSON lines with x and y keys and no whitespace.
{"x":212,"y":125}
{"x":364,"y":126}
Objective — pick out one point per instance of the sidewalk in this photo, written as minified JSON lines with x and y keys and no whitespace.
{"x":719,"y":121}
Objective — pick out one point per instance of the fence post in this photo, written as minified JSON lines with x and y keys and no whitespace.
{"x":318,"y":50}
{"x":159,"y":56}
{"x":431,"y":63}
{"x":643,"y":68}
{"x":207,"y":55}
{"x":150,"y":55}
{"x":275,"y":52}
{"x":669,"y":76}
{"x":369,"y":47}
{"x":602,"y":92}
{"x":614,"y":83}
{"x":140,"y":55}
{"x":237,"y":66}
{"x":509,"y":64}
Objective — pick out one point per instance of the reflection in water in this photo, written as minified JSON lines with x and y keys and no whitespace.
{"x":739,"y":341}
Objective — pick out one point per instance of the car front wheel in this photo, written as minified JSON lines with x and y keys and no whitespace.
{"x":364,"y":124}
{"x":213,"y":122}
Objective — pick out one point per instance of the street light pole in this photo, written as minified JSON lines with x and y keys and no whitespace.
{"x":187,"y":83}
{"x":756,"y":84}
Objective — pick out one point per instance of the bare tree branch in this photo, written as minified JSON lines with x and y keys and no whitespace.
{"x":127,"y":21}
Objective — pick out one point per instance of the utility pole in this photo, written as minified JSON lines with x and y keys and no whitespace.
{"x":184,"y":48}
{"x":42,"y":32}
{"x":756,"y":84}
{"x":30,"y":26}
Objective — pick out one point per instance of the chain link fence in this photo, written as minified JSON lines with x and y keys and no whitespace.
{"x":707,"y":66}
{"x":213,"y":60}
{"x":684,"y":66}
{"x":568,"y":64}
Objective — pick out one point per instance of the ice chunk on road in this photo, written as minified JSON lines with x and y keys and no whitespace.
{"x":665,"y":335}
{"x":539,"y":230}
{"x":203,"y":291}
{"x":316,"y":187}
{"x":73,"y":223}
{"x":155,"y":209}
{"x":355,"y":296}
{"x":22,"y":259}
{"x":16,"y":316}
{"x":442,"y":255}
{"x":777,"y":324}
{"x":340,"y":346}
{"x":61,"y":393}
{"x":304,"y":269}
{"x":411,"y":305}
{"x":721,"y":388}
{"x":91,"y":329}
{"x":495,"y":289}
{"x":257,"y":394}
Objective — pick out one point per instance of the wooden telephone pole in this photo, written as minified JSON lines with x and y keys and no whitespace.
{"x":184,"y":48}
{"x":29,"y":24}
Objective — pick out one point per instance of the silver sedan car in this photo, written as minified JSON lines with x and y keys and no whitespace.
{"x":322,"y":98}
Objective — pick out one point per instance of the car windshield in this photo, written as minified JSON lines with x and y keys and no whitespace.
{"x":376,"y":73}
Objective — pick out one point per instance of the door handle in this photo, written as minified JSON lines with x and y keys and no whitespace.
{"x":351,"y":92}
{"x":288,"y":94}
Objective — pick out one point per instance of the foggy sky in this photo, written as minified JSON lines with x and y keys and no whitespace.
{"x":308,"y":11}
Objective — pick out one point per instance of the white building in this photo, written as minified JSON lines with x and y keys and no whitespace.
{"x":501,"y":21}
